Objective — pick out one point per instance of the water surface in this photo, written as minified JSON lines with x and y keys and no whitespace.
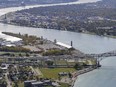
{"x":103,"y":77}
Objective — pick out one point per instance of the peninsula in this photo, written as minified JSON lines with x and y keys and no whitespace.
{"x":37,"y":60}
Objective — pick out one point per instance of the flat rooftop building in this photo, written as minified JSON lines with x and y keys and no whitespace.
{"x":28,"y":83}
{"x":64,"y":45}
{"x":37,"y":84}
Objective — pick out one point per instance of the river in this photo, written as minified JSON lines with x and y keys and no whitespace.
{"x":103,"y":77}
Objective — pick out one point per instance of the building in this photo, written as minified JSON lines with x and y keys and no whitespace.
{"x":4,"y":67}
{"x":37,"y":84}
{"x":34,"y":83}
{"x":64,"y":45}
{"x":28,"y":83}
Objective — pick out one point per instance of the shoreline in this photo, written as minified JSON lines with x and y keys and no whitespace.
{"x":47,"y":5}
{"x":81,"y":72}
{"x":13,"y":6}
{"x":89,"y":33}
{"x":9,"y":38}
{"x":77,"y":72}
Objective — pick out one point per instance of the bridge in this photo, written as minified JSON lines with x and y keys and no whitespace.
{"x":101,"y":56}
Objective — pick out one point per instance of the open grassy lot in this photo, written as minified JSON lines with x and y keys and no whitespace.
{"x":61,"y":62}
{"x":53,"y":72}
{"x":64,"y":85}
{"x":20,"y":84}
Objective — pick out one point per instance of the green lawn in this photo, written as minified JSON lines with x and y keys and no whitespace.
{"x":61,"y":62}
{"x":53,"y":72}
{"x":15,"y":53}
{"x":20,"y":84}
{"x":64,"y":85}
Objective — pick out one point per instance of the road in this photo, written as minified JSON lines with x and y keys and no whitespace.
{"x":7,"y":80}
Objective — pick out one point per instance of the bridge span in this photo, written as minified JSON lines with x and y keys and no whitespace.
{"x":101,"y":56}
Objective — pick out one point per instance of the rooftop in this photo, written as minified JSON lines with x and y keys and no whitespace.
{"x":34,"y":83}
{"x":64,"y":45}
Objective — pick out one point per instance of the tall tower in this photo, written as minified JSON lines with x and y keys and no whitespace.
{"x":71,"y":43}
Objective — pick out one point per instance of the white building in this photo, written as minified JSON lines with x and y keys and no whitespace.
{"x":64,"y":45}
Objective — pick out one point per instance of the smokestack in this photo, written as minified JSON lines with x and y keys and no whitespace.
{"x":71,"y":43}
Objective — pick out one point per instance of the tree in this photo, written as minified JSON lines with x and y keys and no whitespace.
{"x":20,"y":55}
{"x":16,"y":84}
{"x":49,"y":63}
{"x":78,"y":66}
{"x":27,"y":55}
{"x":70,"y":75}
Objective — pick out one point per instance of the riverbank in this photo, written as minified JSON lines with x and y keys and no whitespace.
{"x":80,"y":72}
{"x":23,"y":3}
{"x":13,"y":9}
{"x":72,"y":21}
{"x":85,"y":32}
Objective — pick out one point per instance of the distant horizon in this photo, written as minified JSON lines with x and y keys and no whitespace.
{"x":12,"y":9}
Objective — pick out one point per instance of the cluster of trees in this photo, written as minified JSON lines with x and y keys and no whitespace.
{"x":49,"y":63}
{"x":56,"y":52}
{"x":13,"y":54}
{"x":24,"y":73}
{"x":108,"y":3}
{"x":14,"y":49}
{"x":79,"y":66}
{"x":27,"y":39}
{"x":81,"y":11}
{"x":76,"y":18}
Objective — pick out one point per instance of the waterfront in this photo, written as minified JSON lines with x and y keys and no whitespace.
{"x":9,"y":38}
{"x":103,"y":77}
{"x":86,"y":43}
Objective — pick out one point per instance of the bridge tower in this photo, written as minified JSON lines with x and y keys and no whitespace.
{"x":98,"y":64}
{"x":98,"y":61}
{"x":5,"y":18}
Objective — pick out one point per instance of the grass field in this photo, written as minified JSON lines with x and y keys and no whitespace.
{"x":20,"y":84}
{"x":64,"y":85}
{"x":53,"y":72}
